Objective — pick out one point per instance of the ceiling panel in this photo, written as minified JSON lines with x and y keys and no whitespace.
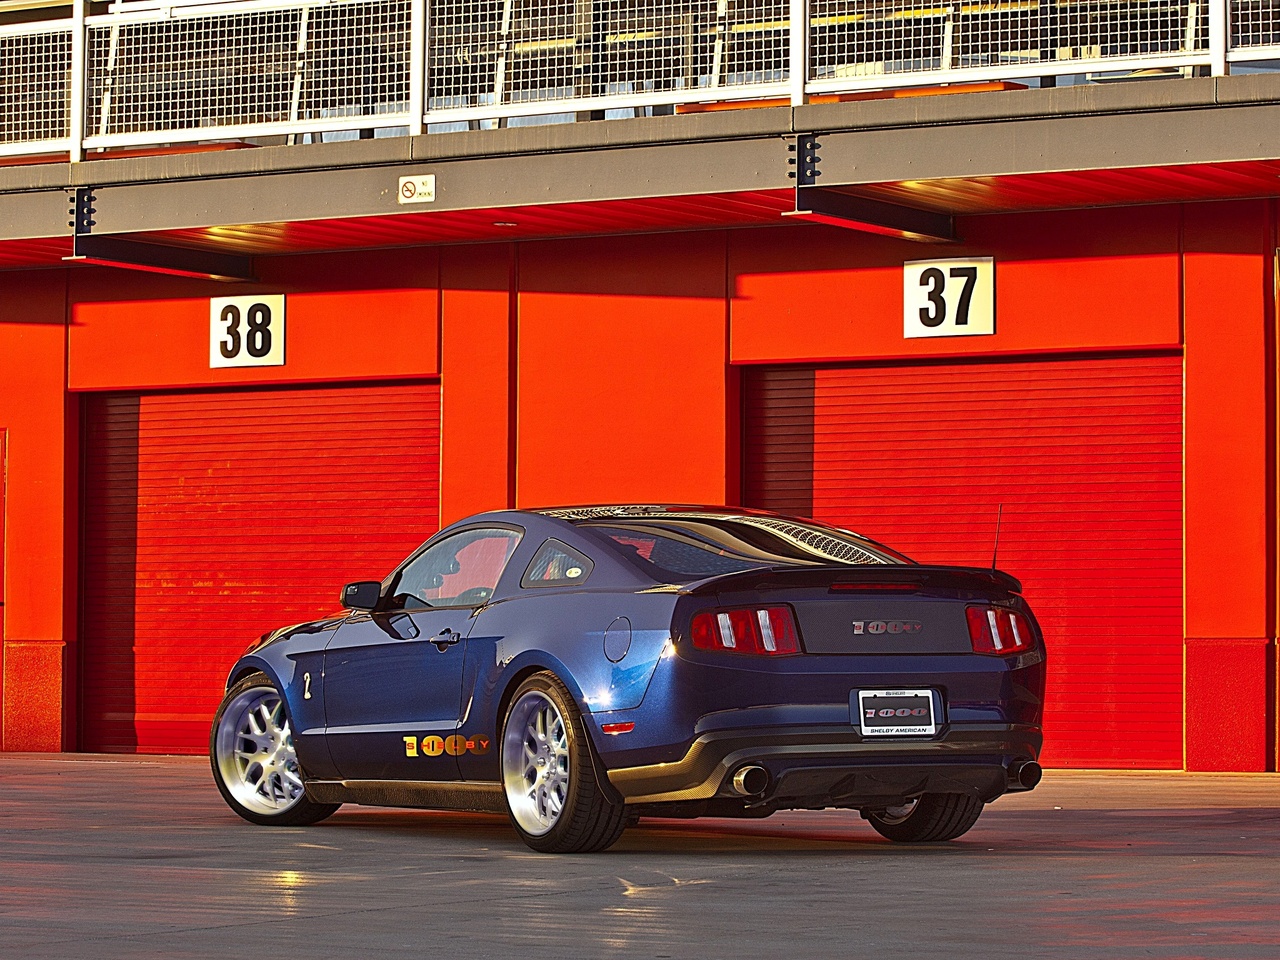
{"x":34,"y":253}
{"x":557,"y":220}
{"x":1086,"y":188}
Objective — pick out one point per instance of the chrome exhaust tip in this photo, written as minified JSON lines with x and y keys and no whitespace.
{"x":1024,"y":774}
{"x":750,"y":781}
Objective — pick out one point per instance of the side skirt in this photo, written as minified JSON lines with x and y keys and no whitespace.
{"x":427,"y":794}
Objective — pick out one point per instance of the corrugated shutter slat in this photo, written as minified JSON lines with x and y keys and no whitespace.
{"x":1085,"y":455}
{"x":211,"y":518}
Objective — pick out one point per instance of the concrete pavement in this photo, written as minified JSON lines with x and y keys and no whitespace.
{"x":138,"y":857}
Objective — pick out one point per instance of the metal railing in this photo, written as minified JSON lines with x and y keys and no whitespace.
{"x":35,"y":87}
{"x":172,"y":71}
{"x":244,"y":69}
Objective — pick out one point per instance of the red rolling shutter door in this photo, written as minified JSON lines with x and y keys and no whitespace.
{"x":1085,"y":455}
{"x":211,"y":518}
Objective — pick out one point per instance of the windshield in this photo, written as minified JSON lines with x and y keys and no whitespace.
{"x":680,"y":548}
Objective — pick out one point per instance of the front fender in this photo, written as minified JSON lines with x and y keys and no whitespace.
{"x":298,"y":675}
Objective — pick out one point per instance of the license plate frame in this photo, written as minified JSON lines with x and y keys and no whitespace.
{"x":921,"y":721}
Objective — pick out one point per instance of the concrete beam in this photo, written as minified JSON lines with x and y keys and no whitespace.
{"x":663,"y":170}
{"x":1047,"y":145}
{"x":29,"y":216}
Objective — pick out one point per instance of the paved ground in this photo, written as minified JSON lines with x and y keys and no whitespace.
{"x":104,"y":858}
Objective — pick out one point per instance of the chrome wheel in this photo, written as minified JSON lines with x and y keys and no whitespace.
{"x":899,"y":813}
{"x":928,"y":818}
{"x":535,"y":763}
{"x":253,"y":750}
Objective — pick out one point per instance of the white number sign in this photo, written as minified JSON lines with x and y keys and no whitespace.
{"x":949,"y":298}
{"x":246,"y":331}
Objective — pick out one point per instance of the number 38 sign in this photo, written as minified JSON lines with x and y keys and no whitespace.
{"x":246,"y":331}
{"x":948,"y":298}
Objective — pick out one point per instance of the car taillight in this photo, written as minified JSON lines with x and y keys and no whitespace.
{"x":997,"y":630}
{"x":766,"y":631}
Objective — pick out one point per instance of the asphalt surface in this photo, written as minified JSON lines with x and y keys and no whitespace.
{"x":138,"y":857}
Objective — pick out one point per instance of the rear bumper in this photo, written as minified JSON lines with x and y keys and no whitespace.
{"x":834,"y":766}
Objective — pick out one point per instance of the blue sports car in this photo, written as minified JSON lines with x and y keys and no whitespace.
{"x":579,"y":668}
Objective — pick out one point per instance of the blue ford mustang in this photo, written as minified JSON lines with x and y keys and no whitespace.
{"x":578,"y":668}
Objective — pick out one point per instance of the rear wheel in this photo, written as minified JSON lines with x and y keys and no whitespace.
{"x":548,"y":775}
{"x":254,"y":763}
{"x":930,"y":818}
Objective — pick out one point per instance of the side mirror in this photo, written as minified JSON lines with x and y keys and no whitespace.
{"x":362,"y":595}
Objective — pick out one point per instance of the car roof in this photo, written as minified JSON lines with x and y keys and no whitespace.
{"x":824,"y":541}
{"x":618,"y":511}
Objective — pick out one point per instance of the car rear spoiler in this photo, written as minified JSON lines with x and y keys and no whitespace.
{"x":836,"y":576}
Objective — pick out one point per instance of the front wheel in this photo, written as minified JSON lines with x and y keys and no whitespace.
{"x":930,"y":818}
{"x":254,"y":763}
{"x":548,"y":775}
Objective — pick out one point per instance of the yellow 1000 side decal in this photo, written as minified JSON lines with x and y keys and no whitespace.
{"x":454,"y":746}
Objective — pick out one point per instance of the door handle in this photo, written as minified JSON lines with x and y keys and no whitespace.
{"x":445,"y":638}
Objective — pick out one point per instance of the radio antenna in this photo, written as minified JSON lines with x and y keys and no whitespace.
{"x":995,"y":550}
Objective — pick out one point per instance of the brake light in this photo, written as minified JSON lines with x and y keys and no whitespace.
{"x":998,"y":631}
{"x":878,"y":587}
{"x":764,"y":631}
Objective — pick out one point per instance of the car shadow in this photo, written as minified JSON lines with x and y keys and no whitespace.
{"x":1179,"y":832}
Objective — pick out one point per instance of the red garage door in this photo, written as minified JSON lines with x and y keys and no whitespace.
{"x":1085,"y":456}
{"x":211,"y":518}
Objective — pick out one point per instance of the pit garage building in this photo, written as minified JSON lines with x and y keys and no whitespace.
{"x":895,"y":279}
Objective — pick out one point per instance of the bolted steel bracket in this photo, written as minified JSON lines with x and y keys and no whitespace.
{"x":840,"y":208}
{"x":82,"y":211}
{"x":805,"y":161}
{"x":120,"y":251}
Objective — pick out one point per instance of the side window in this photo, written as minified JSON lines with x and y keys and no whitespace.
{"x":460,"y":571}
{"x":556,"y":564}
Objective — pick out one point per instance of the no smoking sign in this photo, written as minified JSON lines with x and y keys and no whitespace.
{"x":417,"y":189}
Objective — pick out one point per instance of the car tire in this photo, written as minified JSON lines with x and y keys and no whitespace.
{"x":930,"y":818}
{"x":549,"y":775}
{"x":254,"y":762}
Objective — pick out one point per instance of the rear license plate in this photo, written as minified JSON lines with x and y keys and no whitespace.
{"x":896,"y":713}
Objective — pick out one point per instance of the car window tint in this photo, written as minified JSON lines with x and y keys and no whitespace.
{"x":461,"y":570}
{"x":556,"y":564}
{"x":675,"y":557}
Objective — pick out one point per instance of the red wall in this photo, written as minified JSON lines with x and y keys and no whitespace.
{"x":622,"y":381}
{"x":3,"y":542}
{"x":604,"y":370}
{"x":1228,"y":284}
{"x":131,"y":331}
{"x":1088,"y":281}
{"x":39,"y":634}
{"x":1064,"y":282}
{"x":477,"y":328}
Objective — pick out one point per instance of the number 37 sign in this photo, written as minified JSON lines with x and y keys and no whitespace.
{"x":948,"y":298}
{"x":246,"y":331}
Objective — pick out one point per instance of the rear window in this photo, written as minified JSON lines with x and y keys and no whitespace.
{"x":676,"y":558}
{"x":690,"y":548}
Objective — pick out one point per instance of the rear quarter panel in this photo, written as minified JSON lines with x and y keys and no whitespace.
{"x":562,"y":631}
